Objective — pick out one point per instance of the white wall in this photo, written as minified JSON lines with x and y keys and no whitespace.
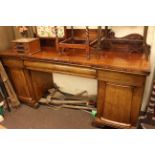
{"x":150,"y":78}
{"x":6,"y":35}
{"x":76,"y":84}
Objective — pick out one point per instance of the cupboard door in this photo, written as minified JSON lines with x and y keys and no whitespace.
{"x":117,"y":103}
{"x":21,"y":83}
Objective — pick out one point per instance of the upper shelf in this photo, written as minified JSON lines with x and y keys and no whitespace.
{"x":101,"y":39}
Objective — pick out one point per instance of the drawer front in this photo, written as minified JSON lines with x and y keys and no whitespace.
{"x":12,"y":63}
{"x":121,"y":78}
{"x":63,"y":69}
{"x":20,"y":47}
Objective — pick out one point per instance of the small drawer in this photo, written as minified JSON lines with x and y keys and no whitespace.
{"x":14,"y":63}
{"x":121,"y":78}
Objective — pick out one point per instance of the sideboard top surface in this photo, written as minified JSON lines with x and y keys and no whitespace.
{"x":110,"y":60}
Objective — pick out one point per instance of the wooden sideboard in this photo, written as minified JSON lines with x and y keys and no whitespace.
{"x":121,"y":79}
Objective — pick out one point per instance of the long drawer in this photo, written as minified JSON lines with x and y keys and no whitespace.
{"x":63,"y":69}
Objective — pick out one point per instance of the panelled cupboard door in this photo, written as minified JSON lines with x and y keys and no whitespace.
{"x":117,"y":103}
{"x":19,"y":82}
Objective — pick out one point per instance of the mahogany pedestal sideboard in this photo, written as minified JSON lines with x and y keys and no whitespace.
{"x":121,"y":80}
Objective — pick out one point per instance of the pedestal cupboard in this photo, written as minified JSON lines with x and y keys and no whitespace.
{"x":119,"y":98}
